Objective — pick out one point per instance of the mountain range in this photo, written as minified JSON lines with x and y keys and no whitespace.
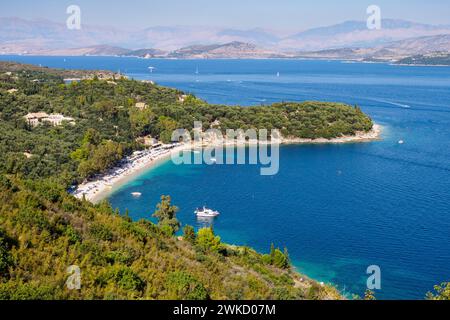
{"x":396,"y":40}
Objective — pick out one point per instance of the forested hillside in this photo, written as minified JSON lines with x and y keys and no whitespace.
{"x":110,"y":114}
{"x":43,"y":231}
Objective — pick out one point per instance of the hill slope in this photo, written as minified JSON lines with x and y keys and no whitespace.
{"x":43,"y":231}
{"x":392,"y":52}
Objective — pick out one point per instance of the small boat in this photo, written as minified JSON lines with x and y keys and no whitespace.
{"x":401,"y":142}
{"x":151,"y":69}
{"x":213,"y":160}
{"x":206,"y":213}
{"x":278,"y":74}
{"x":136,"y":194}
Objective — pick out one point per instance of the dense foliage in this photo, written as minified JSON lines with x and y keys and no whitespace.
{"x":44,"y":230}
{"x":441,"y":292}
{"x":108,"y":121}
{"x":436,"y":59}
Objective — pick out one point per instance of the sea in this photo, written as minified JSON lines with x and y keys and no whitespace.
{"x":337,"y":208}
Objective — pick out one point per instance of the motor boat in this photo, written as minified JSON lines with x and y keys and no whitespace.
{"x":206,"y":213}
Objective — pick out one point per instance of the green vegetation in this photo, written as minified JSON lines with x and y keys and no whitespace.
{"x":433,"y":59}
{"x":369,"y":295}
{"x":108,"y":122}
{"x":442,"y":292}
{"x":166,"y":215}
{"x":44,"y":230}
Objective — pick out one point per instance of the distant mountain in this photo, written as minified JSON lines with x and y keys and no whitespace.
{"x":20,"y":36}
{"x":100,"y":50}
{"x":356,"y":34}
{"x":419,"y":48}
{"x":146,"y":53}
{"x":172,"y":38}
{"x":29,"y":36}
{"x":230,"y":50}
{"x":258,"y":35}
{"x":420,"y":45}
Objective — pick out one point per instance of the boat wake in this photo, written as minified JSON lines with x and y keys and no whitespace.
{"x":401,"y":105}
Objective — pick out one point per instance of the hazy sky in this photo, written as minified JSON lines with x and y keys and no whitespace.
{"x":272,"y":14}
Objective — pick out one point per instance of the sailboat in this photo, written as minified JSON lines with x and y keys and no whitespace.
{"x":196,"y":71}
{"x":278,"y":74}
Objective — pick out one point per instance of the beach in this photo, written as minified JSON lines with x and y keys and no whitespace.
{"x":102,"y":185}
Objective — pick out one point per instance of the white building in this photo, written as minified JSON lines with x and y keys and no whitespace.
{"x":141,"y":106}
{"x":34,"y":119}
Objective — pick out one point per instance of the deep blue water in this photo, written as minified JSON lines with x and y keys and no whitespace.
{"x":337,"y":208}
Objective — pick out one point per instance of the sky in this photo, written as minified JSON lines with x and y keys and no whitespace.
{"x":247,"y":14}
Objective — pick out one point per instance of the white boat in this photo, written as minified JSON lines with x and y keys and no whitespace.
{"x":136,"y":194}
{"x":206,"y":213}
{"x":401,"y":142}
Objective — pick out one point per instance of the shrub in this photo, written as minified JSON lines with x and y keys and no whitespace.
{"x":181,"y":285}
{"x":101,"y":232}
{"x":123,"y":277}
{"x":442,"y":292}
{"x":6,"y":259}
{"x":27,"y":291}
{"x":206,"y":240}
{"x":189,"y":234}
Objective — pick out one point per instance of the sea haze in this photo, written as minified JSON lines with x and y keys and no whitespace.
{"x":337,"y":208}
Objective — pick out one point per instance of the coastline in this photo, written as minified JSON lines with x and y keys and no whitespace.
{"x":99,"y":188}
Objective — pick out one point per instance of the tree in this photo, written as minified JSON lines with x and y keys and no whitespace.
{"x":277,"y":258}
{"x":140,"y":121}
{"x":442,"y":292}
{"x":182,"y":285}
{"x":6,"y":259}
{"x":166,"y":215}
{"x":369,"y":295}
{"x":189,"y":234}
{"x":166,"y":126}
{"x":207,"y":241}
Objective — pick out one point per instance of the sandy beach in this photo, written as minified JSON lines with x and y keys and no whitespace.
{"x":102,"y":185}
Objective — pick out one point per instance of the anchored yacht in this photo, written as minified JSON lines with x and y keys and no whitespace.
{"x":205,"y":212}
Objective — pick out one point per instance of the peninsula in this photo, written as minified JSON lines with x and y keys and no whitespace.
{"x":112,"y":120}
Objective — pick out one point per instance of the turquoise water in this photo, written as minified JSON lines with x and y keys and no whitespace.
{"x":337,"y":208}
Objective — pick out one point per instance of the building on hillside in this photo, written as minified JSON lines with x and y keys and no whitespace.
{"x":58,"y":119}
{"x":148,"y":141}
{"x":182,"y":98}
{"x":141,"y":105}
{"x":35,"y":119}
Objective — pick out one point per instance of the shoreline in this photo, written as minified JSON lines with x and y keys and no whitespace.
{"x":104,"y":184}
